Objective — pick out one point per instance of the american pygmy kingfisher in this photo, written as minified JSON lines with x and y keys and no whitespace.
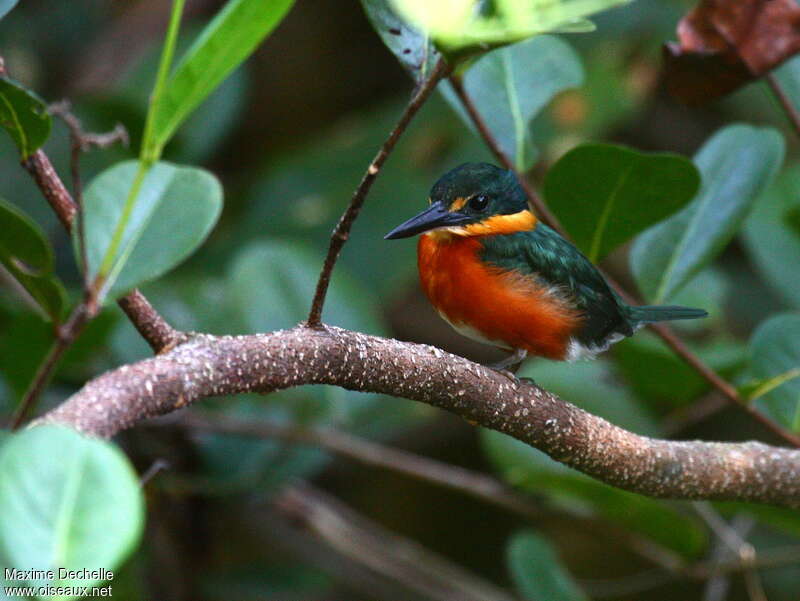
{"x":498,"y":276}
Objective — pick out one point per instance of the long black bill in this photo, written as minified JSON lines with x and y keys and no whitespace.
{"x":434,"y":216}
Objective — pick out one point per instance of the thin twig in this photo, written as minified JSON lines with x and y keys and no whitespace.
{"x":65,"y":336}
{"x":474,"y":484}
{"x":342,"y":230}
{"x":82,"y":141}
{"x":541,"y":209}
{"x":384,"y":552}
{"x":666,"y":334}
{"x":730,"y":541}
{"x":791,"y":111}
{"x":158,"y":465}
{"x":704,"y":570}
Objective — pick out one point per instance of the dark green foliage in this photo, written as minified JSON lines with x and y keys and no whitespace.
{"x":537,"y":571}
{"x":28,"y":257}
{"x":605,"y":195}
{"x":23,"y":115}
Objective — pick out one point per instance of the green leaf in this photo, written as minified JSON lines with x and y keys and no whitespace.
{"x":67,"y":501}
{"x":26,"y":254}
{"x":24,"y":116}
{"x":775,"y":349}
{"x":788,"y":75}
{"x":273,"y":282}
{"x":537,"y":571}
{"x":771,"y":239}
{"x":231,"y":36}
{"x":472,"y":25}
{"x":175,"y":210}
{"x":6,"y":6}
{"x":665,"y":381}
{"x":604,"y":195}
{"x":736,"y":164}
{"x":511,"y":85}
{"x":412,"y":47}
{"x":533,"y":471}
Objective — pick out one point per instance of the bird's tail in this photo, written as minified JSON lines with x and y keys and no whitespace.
{"x":651,"y":313}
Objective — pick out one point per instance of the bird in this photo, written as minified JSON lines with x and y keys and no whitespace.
{"x":498,"y":275}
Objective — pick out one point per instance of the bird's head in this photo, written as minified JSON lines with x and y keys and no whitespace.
{"x":474,"y":199}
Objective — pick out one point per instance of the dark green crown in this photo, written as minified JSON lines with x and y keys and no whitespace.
{"x":500,"y":186}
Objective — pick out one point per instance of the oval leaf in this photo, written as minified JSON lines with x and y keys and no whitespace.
{"x":772,"y":235}
{"x":26,"y":254}
{"x":604,"y":195}
{"x":24,"y":116}
{"x":67,"y":501}
{"x":412,"y":47}
{"x":736,"y":165}
{"x":775,"y":361}
{"x":174,"y":212}
{"x":537,"y":571}
{"x":6,"y":6}
{"x":225,"y":42}
{"x":511,"y":85}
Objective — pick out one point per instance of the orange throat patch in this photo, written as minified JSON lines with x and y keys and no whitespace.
{"x":504,"y":308}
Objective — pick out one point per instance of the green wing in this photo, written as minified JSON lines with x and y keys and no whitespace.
{"x":547,"y":256}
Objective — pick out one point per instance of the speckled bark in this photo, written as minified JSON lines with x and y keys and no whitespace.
{"x":209,"y":366}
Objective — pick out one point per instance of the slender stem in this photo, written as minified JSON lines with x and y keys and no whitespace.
{"x":81,"y":142}
{"x":471,"y":483}
{"x":108,"y":261}
{"x":666,"y":334}
{"x":66,"y":336}
{"x":158,"y":465}
{"x":791,"y":112}
{"x":342,"y":230}
{"x":423,"y":573}
{"x":544,"y":213}
{"x":151,"y":148}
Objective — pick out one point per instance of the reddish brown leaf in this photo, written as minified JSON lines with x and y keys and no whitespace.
{"x":724,"y":44}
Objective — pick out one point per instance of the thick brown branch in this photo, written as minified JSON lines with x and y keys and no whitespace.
{"x":211,"y":366}
{"x":153,"y":328}
{"x":666,"y":334}
{"x":342,"y":230}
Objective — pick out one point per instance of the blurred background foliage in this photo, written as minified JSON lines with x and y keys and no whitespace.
{"x":289,"y":135}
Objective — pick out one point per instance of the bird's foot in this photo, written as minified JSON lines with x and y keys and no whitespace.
{"x":509,"y":366}
{"x":510,"y":363}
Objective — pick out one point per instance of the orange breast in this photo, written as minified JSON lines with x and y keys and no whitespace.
{"x":511,"y":309}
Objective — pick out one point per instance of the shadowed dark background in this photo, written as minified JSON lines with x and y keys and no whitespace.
{"x":289,"y":135}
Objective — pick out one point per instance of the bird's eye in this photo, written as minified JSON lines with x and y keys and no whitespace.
{"x":479,"y":202}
